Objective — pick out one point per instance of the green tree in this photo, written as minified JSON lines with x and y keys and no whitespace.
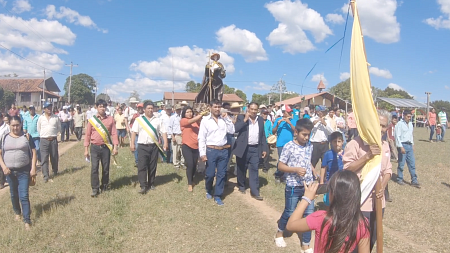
{"x":134,"y":94}
{"x":82,"y":89}
{"x":260,"y":99}
{"x":342,"y":90}
{"x":191,"y":86}
{"x":241,"y":94}
{"x":438,"y":104}
{"x":6,"y":99}
{"x":401,"y":93}
{"x":103,"y":96}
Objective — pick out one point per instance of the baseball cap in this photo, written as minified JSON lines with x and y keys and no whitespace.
{"x":31,"y":106}
{"x":264,"y":111}
{"x":47,"y":104}
{"x":286,"y":108}
{"x":140,"y":105}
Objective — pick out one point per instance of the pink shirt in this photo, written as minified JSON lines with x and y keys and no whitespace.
{"x":432,"y":118}
{"x":356,"y":149}
{"x":93,"y":137}
{"x":315,"y":221}
{"x":351,"y":120}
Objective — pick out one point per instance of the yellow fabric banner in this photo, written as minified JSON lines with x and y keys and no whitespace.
{"x":363,"y":106}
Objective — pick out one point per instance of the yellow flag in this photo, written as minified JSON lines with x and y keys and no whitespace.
{"x":363,"y":106}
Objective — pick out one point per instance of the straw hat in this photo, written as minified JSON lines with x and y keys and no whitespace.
{"x":215,"y":55}
{"x":235,"y":105}
{"x":184,"y":103}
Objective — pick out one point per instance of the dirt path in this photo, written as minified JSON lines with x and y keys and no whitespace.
{"x":273,"y":215}
{"x":62,"y":148}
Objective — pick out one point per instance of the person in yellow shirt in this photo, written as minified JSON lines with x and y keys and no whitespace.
{"x":119,"y":118}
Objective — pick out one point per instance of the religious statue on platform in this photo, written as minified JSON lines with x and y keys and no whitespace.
{"x":212,"y":85}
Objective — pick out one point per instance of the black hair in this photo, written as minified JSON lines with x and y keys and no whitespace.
{"x":101,"y":102}
{"x":17,"y":118}
{"x":406,"y":112}
{"x":7,"y":116}
{"x":253,"y":103}
{"x":304,"y":124}
{"x":147,"y":103}
{"x":183,"y":113}
{"x":344,"y":215}
{"x":394,"y":116}
{"x":225,"y":104}
{"x":336,"y":135}
{"x":215,"y":102}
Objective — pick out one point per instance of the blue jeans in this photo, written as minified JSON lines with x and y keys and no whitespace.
{"x":292,"y":196}
{"x":438,"y":137}
{"x":216,"y":159}
{"x":444,"y":127}
{"x":432,"y":128}
{"x":37,"y":141}
{"x":410,"y":160}
{"x":279,"y":174}
{"x":18,"y":187}
{"x":65,"y":131}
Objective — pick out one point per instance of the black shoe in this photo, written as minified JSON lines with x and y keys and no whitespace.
{"x":242,"y":191}
{"x":265,"y":171}
{"x":135,"y":165}
{"x":45,"y":180}
{"x":152,"y":188}
{"x":104,"y":188}
{"x":94,"y":193}
{"x":142,"y":191}
{"x":389,"y":199}
{"x":258,"y":198}
{"x":401,"y":182}
{"x":416,"y":184}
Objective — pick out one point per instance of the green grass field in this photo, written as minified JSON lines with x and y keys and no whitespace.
{"x":169,"y":219}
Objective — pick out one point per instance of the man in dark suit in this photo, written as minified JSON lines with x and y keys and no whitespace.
{"x":250,"y":146}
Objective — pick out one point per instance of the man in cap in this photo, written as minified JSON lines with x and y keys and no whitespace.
{"x":48,"y":126}
{"x":30,"y":126}
{"x":165,"y":118}
{"x":65,"y":118}
{"x":284,"y":128}
{"x":175,"y":130}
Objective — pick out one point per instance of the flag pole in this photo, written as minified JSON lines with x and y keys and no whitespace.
{"x":378,"y":188}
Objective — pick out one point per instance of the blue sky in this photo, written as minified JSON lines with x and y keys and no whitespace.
{"x":143,"y":45}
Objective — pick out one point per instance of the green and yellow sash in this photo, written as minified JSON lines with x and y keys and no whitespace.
{"x":103,"y":132}
{"x":151,"y":131}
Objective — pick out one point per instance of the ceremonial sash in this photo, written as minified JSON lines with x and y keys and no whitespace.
{"x":102,"y":131}
{"x":151,"y":131}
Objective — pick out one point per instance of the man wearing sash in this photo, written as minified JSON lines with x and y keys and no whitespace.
{"x":101,"y":135}
{"x":147,"y":128}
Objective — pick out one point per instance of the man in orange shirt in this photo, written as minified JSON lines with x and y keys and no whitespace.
{"x":101,"y":135}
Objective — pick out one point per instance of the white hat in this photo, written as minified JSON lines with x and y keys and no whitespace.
{"x":77,"y":105}
{"x":262,"y":106}
{"x":184,"y":103}
{"x":65,"y":107}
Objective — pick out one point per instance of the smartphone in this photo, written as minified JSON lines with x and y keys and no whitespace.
{"x":322,"y":189}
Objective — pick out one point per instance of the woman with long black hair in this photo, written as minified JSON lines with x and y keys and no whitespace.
{"x":18,"y":162}
{"x":189,"y":132}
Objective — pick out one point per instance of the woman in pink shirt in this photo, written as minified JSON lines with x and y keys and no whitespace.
{"x":432,"y":122}
{"x":344,"y":221}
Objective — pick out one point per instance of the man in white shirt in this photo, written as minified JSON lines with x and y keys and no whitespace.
{"x":319,"y":137}
{"x":175,"y":131}
{"x":165,"y":118}
{"x":4,"y":129}
{"x":48,"y":127}
{"x":148,"y":146}
{"x":213,"y":147}
{"x":65,"y":117}
{"x":110,"y":110}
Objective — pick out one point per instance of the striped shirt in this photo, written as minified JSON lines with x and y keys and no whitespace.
{"x":442,"y":117}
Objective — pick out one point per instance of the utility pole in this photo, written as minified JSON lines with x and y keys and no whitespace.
{"x":173,"y":85}
{"x":428,"y":102}
{"x":43,"y":93}
{"x":268,"y":95}
{"x":70,"y":77}
{"x":279,"y":87}
{"x":96,"y":88}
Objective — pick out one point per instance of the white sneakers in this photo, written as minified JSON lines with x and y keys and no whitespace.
{"x":310,"y":250}
{"x":279,"y":241}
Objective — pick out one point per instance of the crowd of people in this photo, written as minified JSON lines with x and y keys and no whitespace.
{"x":189,"y":139}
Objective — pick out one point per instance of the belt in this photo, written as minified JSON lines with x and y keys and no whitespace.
{"x":102,"y":146}
{"x":253,"y":146}
{"x":219,"y":147}
{"x":409,"y":143}
{"x":49,"y":138}
{"x":148,"y":145}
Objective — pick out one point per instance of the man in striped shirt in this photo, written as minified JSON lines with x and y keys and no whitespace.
{"x":442,"y":115}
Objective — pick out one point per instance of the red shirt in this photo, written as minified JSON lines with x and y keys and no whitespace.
{"x":93,"y":137}
{"x":432,"y":118}
{"x":14,"y":112}
{"x":189,"y":133}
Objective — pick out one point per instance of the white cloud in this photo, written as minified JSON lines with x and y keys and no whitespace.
{"x":260,"y":86}
{"x":3,"y":3}
{"x":10,"y":64}
{"x":15,"y":33}
{"x":317,"y":77}
{"x":156,"y":76}
{"x":378,"y":20}
{"x":446,"y":87}
{"x":442,"y":21}
{"x":71,"y":16}
{"x":344,"y":76}
{"x":380,"y":72}
{"x":243,"y":42}
{"x":395,"y":86}
{"x":295,"y":18}
{"x":335,"y":18}
{"x":20,"y":6}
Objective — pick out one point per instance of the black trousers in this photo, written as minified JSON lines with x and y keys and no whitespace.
{"x":191,"y":159}
{"x":147,"y":161}
{"x":100,"y":154}
{"x":65,"y":131}
{"x":78,"y":132}
{"x":49,"y":148}
{"x":319,"y":149}
{"x":266,"y":160}
{"x":250,"y":161}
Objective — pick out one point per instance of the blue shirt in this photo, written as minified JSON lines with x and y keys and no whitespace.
{"x":296,"y":114}
{"x":285,"y":133}
{"x":30,"y":124}
{"x":294,"y":155}
{"x":403,"y":133}
{"x":333,"y":162}
{"x":268,"y":128}
{"x":306,"y":116}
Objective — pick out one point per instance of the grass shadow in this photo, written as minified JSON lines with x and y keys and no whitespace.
{"x":41,"y":209}
{"x":446,"y":184}
{"x":164,"y":179}
{"x":124,"y":181}
{"x":425,"y":140}
{"x":71,"y":170}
